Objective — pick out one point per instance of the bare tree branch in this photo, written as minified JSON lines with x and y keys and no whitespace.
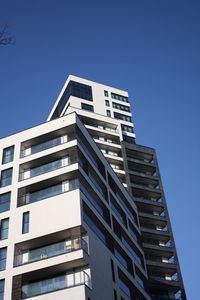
{"x":5,"y":37}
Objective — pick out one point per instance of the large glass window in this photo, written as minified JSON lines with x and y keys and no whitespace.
{"x":46,"y":145}
{"x":130,"y":249}
{"x":118,"y":211}
{"x":119,"y":97}
{"x":129,"y":139}
{"x":25,"y":222}
{"x":91,"y":199}
{"x":4,"y":202}
{"x":121,"y":107}
{"x":4,"y":226}
{"x":120,"y":258}
{"x":106,"y":93}
{"x":87,"y":107}
{"x":124,"y":287}
{"x":81,"y":90}
{"x":93,"y":158}
{"x":2,"y":282}
{"x":94,"y":227}
{"x":6,"y":177}
{"x":127,"y":128}
{"x":8,"y":154}
{"x":75,"y":89}
{"x":3,"y":255}
{"x":122,"y":117}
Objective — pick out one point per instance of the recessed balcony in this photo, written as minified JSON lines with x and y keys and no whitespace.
{"x":55,"y":249}
{"x":47,"y":167}
{"x":56,"y":283}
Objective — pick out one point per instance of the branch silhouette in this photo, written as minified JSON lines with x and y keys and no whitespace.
{"x":5,"y":37}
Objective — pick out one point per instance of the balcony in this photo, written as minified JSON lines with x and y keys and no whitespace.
{"x":51,"y":250}
{"x":47,"y":192}
{"x":48,"y":167}
{"x":45,"y":145}
{"x":56,"y":283}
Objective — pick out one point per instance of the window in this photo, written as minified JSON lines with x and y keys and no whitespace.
{"x":3,"y":255}
{"x":6,"y":177}
{"x":139,"y":280}
{"x":2,"y":282}
{"x":87,"y":219}
{"x":87,"y":107}
{"x":121,"y":258}
{"x":4,"y":229}
{"x":81,"y":90}
{"x":129,"y":139}
{"x":108,"y":113}
{"x":91,"y":199}
{"x":118,"y":211}
{"x":25,"y":222}
{"x":122,"y":117}
{"x":119,"y":97}
{"x":131,"y":250}
{"x":4,"y":202}
{"x":124,"y":287}
{"x":75,"y":89}
{"x":127,"y":128}
{"x":121,"y":107}
{"x":106,"y":93}
{"x":115,"y":294}
{"x":112,"y":270}
{"x":107,"y":103}
{"x":8,"y":154}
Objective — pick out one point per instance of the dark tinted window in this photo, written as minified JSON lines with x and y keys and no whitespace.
{"x":87,"y":106}
{"x":4,"y":202}
{"x":127,"y":128}
{"x":2,"y":289}
{"x":25,"y":224}
{"x":122,"y":117}
{"x":75,"y":89}
{"x":128,"y":139}
{"x":8,"y":154}
{"x":3,"y":255}
{"x":119,"y":97}
{"x":6,"y":177}
{"x":4,"y":229}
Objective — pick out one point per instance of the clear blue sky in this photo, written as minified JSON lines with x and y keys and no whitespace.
{"x":147,"y":47}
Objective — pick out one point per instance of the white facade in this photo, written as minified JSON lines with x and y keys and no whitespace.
{"x":62,"y":241}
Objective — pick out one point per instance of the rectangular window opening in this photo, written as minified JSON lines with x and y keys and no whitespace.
{"x":25,"y":222}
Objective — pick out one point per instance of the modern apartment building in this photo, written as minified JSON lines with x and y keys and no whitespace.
{"x":82,"y":208}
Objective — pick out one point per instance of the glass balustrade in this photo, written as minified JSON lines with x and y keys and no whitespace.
{"x":46,"y":145}
{"x":54,"y":165}
{"x":55,"y":283}
{"x":52,"y":250}
{"x":51,"y":191}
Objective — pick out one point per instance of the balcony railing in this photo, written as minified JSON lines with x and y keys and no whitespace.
{"x":47,"y":145}
{"x":54,"y":165}
{"x":52,"y":250}
{"x":55,"y":284}
{"x":51,"y":191}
